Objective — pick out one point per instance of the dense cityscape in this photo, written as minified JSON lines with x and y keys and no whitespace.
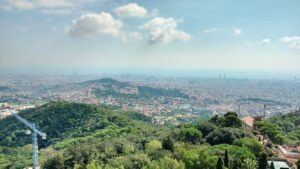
{"x":201,"y":97}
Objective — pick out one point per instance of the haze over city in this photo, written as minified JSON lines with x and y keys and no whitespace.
{"x":253,"y":39}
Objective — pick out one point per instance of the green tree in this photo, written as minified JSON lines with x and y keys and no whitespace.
{"x":206,"y":127}
{"x":298,"y":164}
{"x":272,"y":130}
{"x":220,"y":163}
{"x":232,"y":120}
{"x":56,"y":162}
{"x":199,"y":158}
{"x":93,"y":165}
{"x":153,"y":145}
{"x":217,"y":120}
{"x":249,"y":164}
{"x":272,"y":165}
{"x":224,"y":136}
{"x":263,"y":161}
{"x":237,"y":154}
{"x":226,"y":159}
{"x":164,"y":163}
{"x":190,"y":134}
{"x":168,"y":144}
{"x":251,"y":144}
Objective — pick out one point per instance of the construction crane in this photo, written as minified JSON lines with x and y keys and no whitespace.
{"x":35,"y":132}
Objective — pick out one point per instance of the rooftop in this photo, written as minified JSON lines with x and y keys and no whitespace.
{"x":279,"y":165}
{"x":248,"y":120}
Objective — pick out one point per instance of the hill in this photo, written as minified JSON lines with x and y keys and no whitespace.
{"x":87,"y":136}
{"x":105,"y":82}
{"x":61,"y":120}
{"x":282,"y":129}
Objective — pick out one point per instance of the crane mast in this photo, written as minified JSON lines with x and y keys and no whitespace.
{"x":35,"y":133}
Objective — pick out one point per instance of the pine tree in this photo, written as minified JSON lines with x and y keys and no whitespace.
{"x":220,"y":163}
{"x":272,"y":165}
{"x":226,"y":159}
{"x":263,"y":161}
{"x":168,"y":144}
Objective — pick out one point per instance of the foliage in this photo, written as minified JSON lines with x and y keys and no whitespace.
{"x":282,"y":129}
{"x":55,"y":162}
{"x":143,"y":92}
{"x":220,"y":164}
{"x":91,"y":137}
{"x":146,"y":91}
{"x":189,"y":134}
{"x":230,"y":119}
{"x":138,"y":116}
{"x":251,"y":144}
{"x":272,"y":131}
{"x":67,"y":120}
{"x":226,"y":159}
{"x":164,"y":163}
{"x":225,"y":136}
{"x":206,"y":127}
{"x":298,"y":163}
{"x":168,"y":144}
{"x":199,"y":158}
{"x":263,"y":161}
{"x":236,"y":154}
{"x":249,"y":164}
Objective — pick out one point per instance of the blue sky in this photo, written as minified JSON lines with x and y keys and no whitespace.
{"x":90,"y":36}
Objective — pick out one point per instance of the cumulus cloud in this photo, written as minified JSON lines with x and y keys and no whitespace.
{"x":95,"y":24}
{"x":164,"y":30}
{"x":237,"y":31}
{"x":292,"y":41}
{"x":265,"y":41}
{"x":131,"y":10}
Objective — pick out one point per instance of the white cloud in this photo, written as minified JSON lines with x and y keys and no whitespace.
{"x":164,"y":30}
{"x":211,"y":30}
{"x":237,"y":31}
{"x":265,"y":41}
{"x":132,"y":37}
{"x":292,"y":41}
{"x":18,"y":4}
{"x":154,"y":13}
{"x":64,"y":11}
{"x":41,"y":4}
{"x":131,"y":10}
{"x":55,"y":3}
{"x":95,"y":24}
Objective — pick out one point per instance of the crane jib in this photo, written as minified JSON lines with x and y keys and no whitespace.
{"x":34,"y":139}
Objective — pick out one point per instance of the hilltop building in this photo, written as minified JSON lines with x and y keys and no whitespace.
{"x":289,"y":152}
{"x":279,"y":164}
{"x":248,"y":121}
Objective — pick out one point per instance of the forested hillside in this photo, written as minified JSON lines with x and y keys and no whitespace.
{"x":90,"y":137}
{"x":284,"y":129}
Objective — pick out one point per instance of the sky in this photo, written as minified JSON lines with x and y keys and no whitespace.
{"x":158,"y":36}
